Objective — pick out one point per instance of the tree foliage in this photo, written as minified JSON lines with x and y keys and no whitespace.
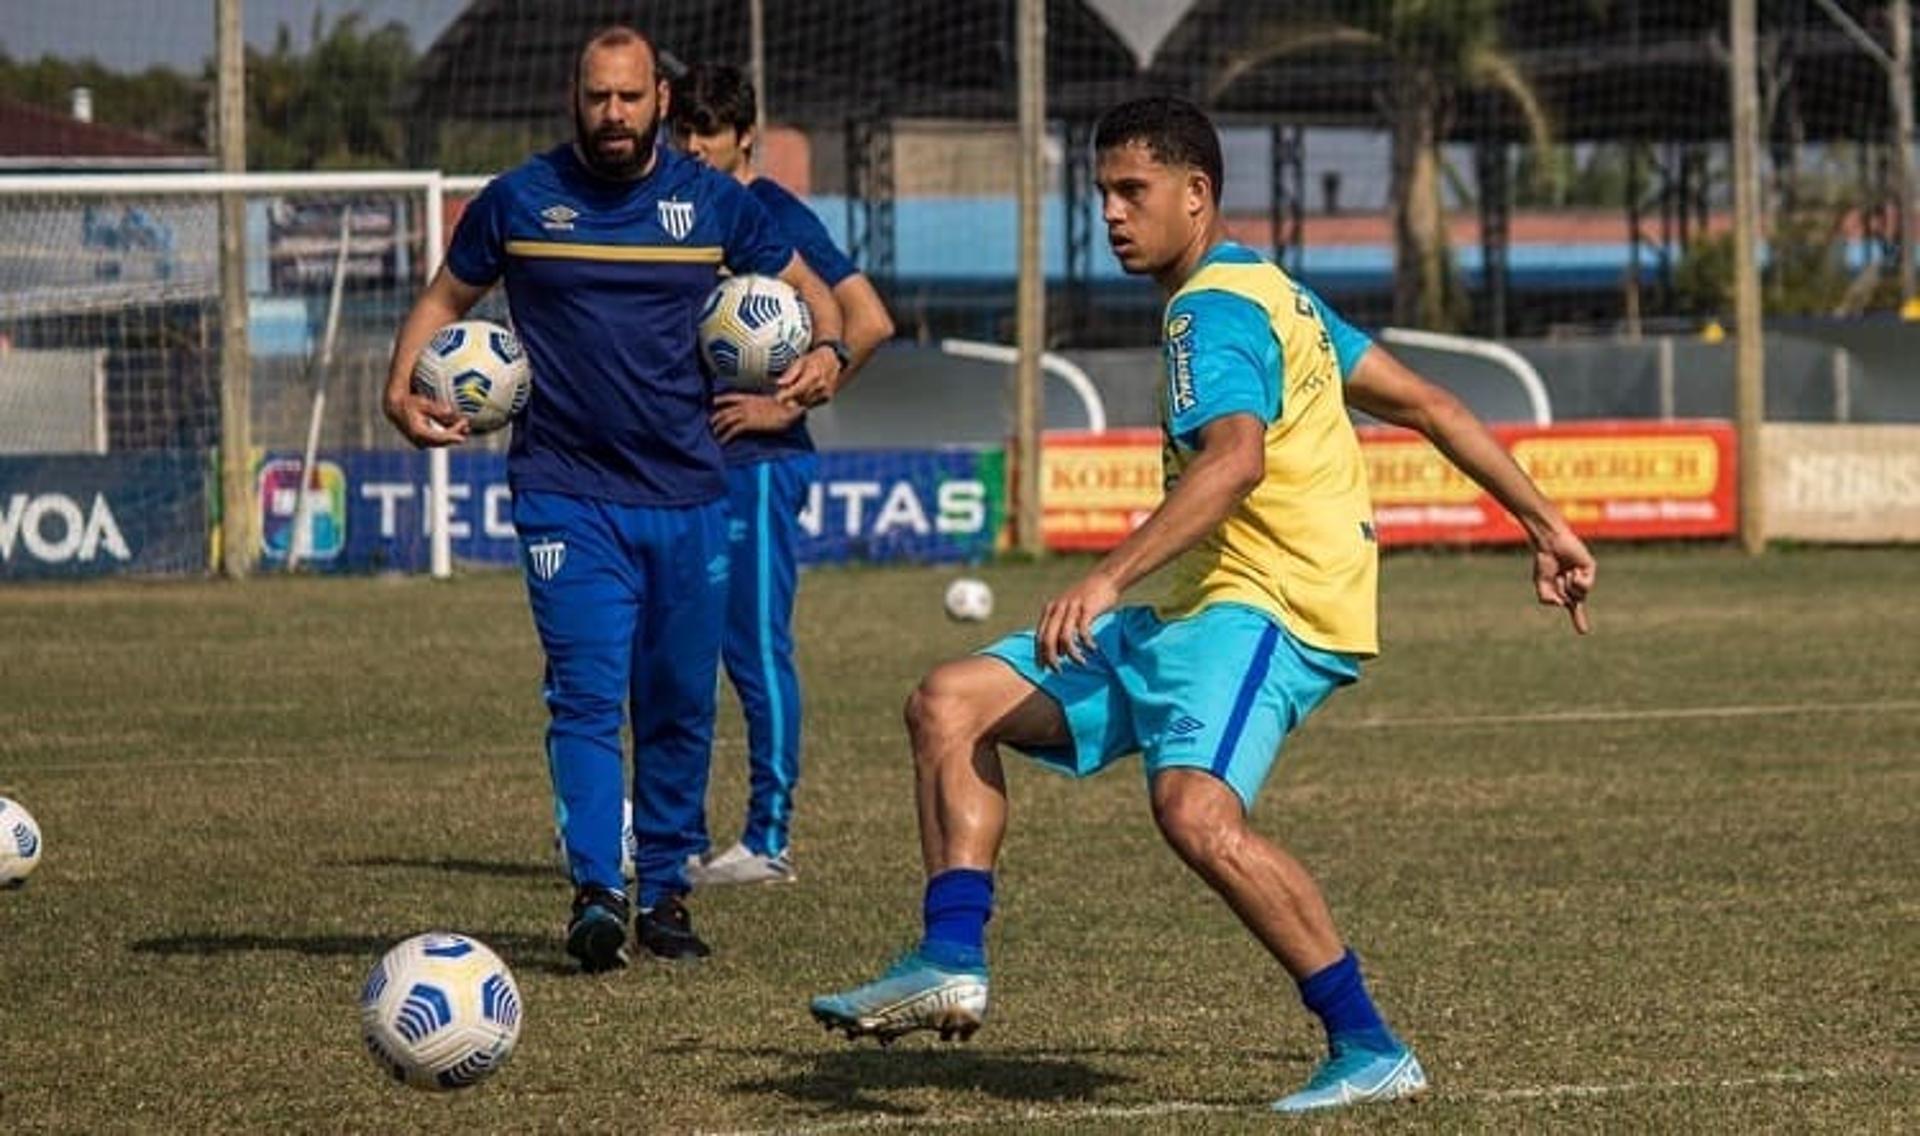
{"x":1438,"y":51}
{"x":335,"y":105}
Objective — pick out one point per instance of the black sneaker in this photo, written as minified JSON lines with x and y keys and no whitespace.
{"x":666,"y":930}
{"x":597,"y":933}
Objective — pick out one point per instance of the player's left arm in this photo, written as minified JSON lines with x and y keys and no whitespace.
{"x":867,"y":323}
{"x":867,"y":326}
{"x":1563,"y":569}
{"x":755,"y":244}
{"x":1231,"y":462}
{"x":817,"y":375}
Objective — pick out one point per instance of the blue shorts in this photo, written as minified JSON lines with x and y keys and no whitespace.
{"x":1217,"y":691}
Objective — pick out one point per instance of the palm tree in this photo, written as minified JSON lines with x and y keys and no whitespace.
{"x":1435,"y":51}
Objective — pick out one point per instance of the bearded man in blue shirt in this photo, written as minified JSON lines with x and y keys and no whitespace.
{"x":607,"y":247}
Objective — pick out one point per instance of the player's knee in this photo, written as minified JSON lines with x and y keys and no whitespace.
{"x":1198,"y":826}
{"x":939,"y":709}
{"x":584,"y":712}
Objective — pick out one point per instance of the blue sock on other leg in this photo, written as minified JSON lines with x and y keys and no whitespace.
{"x":958,"y":904}
{"x":1337,"y":995}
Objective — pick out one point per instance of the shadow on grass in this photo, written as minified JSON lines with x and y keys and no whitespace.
{"x":511,"y":869}
{"x":857,"y":1080}
{"x":521,"y":951}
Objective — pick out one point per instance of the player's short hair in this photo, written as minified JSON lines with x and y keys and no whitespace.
{"x":710,"y":97}
{"x":1174,"y":131}
{"x":614,"y":35}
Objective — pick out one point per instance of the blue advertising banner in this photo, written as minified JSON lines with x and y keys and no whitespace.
{"x":95,"y":515}
{"x":924,"y":506}
{"x":368,"y":511}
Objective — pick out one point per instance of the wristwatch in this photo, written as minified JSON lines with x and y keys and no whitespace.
{"x":839,"y":348}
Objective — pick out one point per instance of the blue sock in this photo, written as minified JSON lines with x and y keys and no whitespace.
{"x":958,"y":904}
{"x":1337,"y":995}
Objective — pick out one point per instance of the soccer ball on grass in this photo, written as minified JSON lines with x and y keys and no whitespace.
{"x":969,"y":600}
{"x":440,"y":1011}
{"x":19,"y":844}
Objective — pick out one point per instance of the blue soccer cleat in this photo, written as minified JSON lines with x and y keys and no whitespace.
{"x":914,"y":994}
{"x":1353,"y":1075}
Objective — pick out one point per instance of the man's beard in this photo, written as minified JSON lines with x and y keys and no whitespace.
{"x":617,"y":167}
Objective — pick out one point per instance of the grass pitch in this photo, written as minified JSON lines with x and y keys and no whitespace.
{"x":1659,"y":879}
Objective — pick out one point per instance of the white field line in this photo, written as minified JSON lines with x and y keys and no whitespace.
{"x":1647,"y":714}
{"x":1416,"y":722}
{"x":1071,"y":1113}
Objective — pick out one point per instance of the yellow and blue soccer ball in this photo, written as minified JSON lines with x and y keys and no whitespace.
{"x":752,"y":328}
{"x":480,"y":368}
{"x":440,"y":1011}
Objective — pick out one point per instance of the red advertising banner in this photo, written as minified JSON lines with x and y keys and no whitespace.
{"x":1096,"y":488}
{"x":1620,"y":480}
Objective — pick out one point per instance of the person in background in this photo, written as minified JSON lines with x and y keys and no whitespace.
{"x":770,"y":467}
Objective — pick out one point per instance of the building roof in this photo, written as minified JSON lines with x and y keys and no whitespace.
{"x":36,"y":138}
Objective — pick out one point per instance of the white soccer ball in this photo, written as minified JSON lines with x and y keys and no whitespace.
{"x":19,"y":844}
{"x":752,"y":328}
{"x":480,"y":368}
{"x":969,"y":600}
{"x":440,"y":1012}
{"x":629,"y":846}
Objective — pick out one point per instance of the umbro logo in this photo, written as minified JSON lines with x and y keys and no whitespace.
{"x":558,"y":217}
{"x":1185,"y":726}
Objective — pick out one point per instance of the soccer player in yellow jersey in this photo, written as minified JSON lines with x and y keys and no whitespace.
{"x":1266,"y":540}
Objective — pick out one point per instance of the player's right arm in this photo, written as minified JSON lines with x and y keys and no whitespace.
{"x":1223,"y":376}
{"x":476,"y":257}
{"x":1231,"y":461}
{"x":425,"y":421}
{"x":1563,"y":569}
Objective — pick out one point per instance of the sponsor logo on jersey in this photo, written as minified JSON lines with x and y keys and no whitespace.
{"x":560,"y":217}
{"x":1180,"y":396}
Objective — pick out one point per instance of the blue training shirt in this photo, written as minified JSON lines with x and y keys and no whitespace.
{"x":604,"y":280}
{"x":798,"y":224}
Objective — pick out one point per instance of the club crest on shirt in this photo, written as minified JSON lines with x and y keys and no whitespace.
{"x":544,"y":557}
{"x":676,"y":217}
{"x":1180,"y":396}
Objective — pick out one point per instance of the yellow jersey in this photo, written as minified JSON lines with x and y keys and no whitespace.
{"x":1241,"y":336}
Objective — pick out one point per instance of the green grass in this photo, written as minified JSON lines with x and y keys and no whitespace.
{"x":1661,"y":878}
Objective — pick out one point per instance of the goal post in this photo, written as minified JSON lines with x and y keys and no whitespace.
{"x":110,"y":359}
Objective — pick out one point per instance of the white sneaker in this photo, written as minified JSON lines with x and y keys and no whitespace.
{"x":737,"y":865}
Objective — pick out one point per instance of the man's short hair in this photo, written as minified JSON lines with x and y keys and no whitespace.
{"x":1174,"y":131}
{"x":614,"y":35}
{"x":710,"y":97}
